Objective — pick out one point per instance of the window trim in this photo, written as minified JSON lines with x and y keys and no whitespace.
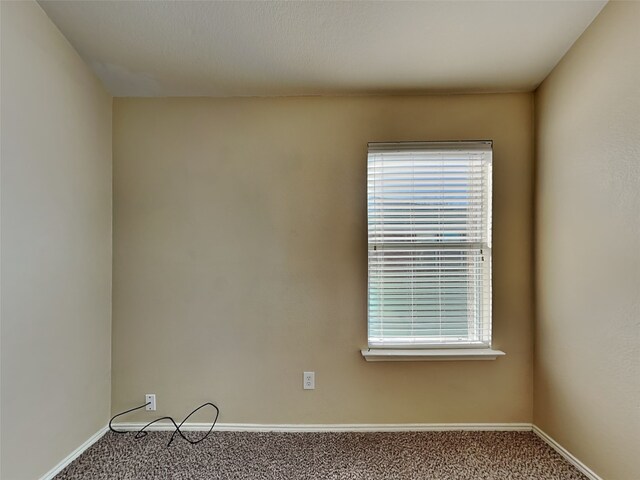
{"x":438,"y":354}
{"x":433,"y":352}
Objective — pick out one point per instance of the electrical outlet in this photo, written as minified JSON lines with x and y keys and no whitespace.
{"x":309,"y":380}
{"x":150,"y":400}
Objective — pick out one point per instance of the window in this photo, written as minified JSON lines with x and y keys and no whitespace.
{"x":429,"y":230}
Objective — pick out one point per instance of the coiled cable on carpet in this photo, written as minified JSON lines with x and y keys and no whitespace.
{"x":143,"y":431}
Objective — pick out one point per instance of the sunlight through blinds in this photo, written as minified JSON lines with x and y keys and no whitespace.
{"x":429,"y":230}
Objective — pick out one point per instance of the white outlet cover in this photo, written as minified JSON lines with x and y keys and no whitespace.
{"x":309,"y":380}
{"x":150,"y":399}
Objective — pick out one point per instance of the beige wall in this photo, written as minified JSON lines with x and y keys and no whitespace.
{"x":587,"y":373}
{"x":56,"y":246}
{"x":240,"y":259}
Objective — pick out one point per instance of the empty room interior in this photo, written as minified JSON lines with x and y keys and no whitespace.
{"x":320,"y":240}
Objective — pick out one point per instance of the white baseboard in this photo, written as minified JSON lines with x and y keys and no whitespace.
{"x":591,"y":475}
{"x":356,"y":427}
{"x":75,"y":454}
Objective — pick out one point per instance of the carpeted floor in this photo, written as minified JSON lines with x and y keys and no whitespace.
{"x":349,"y":456}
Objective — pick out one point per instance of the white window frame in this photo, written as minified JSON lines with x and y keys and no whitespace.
{"x":428,"y":347}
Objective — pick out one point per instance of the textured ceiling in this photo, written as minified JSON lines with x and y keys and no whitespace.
{"x":157,"y":48}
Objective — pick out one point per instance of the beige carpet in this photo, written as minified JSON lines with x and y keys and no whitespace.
{"x":291,"y":456}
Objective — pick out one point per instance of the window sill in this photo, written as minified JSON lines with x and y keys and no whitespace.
{"x":429,"y":355}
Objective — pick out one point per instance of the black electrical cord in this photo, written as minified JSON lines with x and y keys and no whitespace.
{"x":143,"y":431}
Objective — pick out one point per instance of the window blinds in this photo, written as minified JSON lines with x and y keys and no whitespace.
{"x":429,"y":231}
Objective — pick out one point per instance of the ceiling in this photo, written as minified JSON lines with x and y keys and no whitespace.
{"x":207,"y":48}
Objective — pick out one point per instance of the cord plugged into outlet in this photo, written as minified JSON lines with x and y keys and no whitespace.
{"x":150,"y":404}
{"x":150,"y":401}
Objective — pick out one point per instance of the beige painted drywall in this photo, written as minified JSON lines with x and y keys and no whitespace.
{"x":56,"y":246}
{"x":587,"y":369}
{"x":240,"y":259}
